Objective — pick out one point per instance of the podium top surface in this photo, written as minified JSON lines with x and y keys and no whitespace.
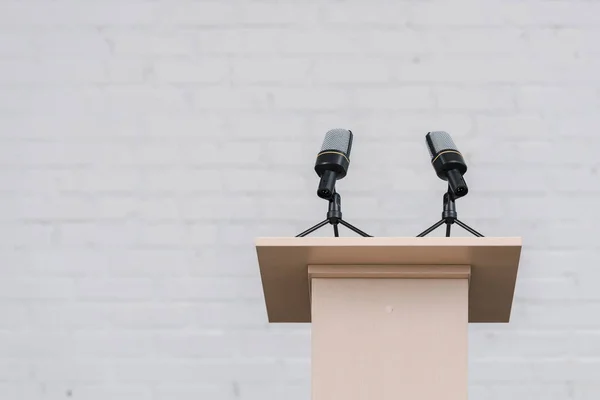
{"x":284,"y":264}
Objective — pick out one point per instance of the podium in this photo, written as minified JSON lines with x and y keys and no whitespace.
{"x":389,"y":315}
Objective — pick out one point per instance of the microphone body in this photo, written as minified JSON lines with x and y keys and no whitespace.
{"x":447,"y":161}
{"x":333,"y":160}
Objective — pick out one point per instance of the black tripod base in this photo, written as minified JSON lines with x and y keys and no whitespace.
{"x":449,"y":217}
{"x":448,"y":227}
{"x":334,"y":217}
{"x":314,"y":228}
{"x":336,"y":232}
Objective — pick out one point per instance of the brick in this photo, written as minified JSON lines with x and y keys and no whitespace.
{"x":461,"y":98}
{"x":142,"y":100}
{"x":158,"y":208}
{"x":401,"y":40}
{"x":288,"y":152}
{"x":275,"y":70}
{"x":545,"y":371}
{"x":148,"y":42}
{"x":268,"y":125}
{"x":35,"y":345}
{"x":148,"y":262}
{"x":199,"y":13}
{"x":204,"y":71}
{"x":100,"y":178}
{"x":511,"y":125}
{"x":576,"y":122}
{"x":560,"y":13}
{"x":16,"y":44}
{"x":554,"y":314}
{"x":211,"y":98}
{"x":142,"y":317}
{"x":24,"y":235}
{"x":477,"y":70}
{"x":82,"y":234}
{"x":122,"y":288}
{"x":73,"y":43}
{"x":191,"y":392}
{"x":359,"y":13}
{"x":240,"y":41}
{"x":13,"y":370}
{"x":269,"y":180}
{"x":305,"y":208}
{"x":226,"y":314}
{"x":67,"y":316}
{"x":216,"y":371}
{"x":292,"y":391}
{"x":55,"y":71}
{"x":32,"y":288}
{"x":92,"y":392}
{"x":68,"y":12}
{"x":195,"y":345}
{"x":277,"y":14}
{"x":470,"y":14}
{"x":475,"y":40}
{"x":289,"y":345}
{"x":242,"y":207}
{"x":9,"y":391}
{"x":103,"y":345}
{"x":554,"y":264}
{"x":355,"y":71}
{"x":503,"y":40}
{"x":164,"y":234}
{"x":307,"y":99}
{"x":321,"y":41}
{"x":97,"y":316}
{"x":557,"y":99}
{"x":532,"y":344}
{"x":554,"y":391}
{"x":180,"y":125}
{"x":14,"y":317}
{"x":398,"y":98}
{"x":564,"y":40}
{"x":215,"y":288}
{"x":585,"y":391}
{"x":584,"y":344}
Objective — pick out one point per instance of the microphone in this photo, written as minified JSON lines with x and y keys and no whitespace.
{"x":447,"y":161}
{"x":333,"y":160}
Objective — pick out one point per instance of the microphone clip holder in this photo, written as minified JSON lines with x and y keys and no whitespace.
{"x":449,"y":217}
{"x":334,"y":217}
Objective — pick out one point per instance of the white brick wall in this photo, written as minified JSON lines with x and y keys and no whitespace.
{"x":144,"y":144}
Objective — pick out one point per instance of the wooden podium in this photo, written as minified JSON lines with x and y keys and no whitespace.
{"x":389,"y":315}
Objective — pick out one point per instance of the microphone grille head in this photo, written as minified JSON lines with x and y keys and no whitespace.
{"x":338,"y":140}
{"x":439,"y":141}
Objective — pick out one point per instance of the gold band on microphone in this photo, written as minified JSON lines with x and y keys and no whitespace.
{"x":444,"y":152}
{"x":334,"y":152}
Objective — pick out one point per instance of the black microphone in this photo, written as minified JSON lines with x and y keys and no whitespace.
{"x":333,"y":160}
{"x":447,"y":161}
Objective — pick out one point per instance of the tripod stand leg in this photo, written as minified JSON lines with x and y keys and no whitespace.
{"x":349,"y":226}
{"x":431,"y":229}
{"x":336,"y":232}
{"x":314,"y":228}
{"x":448,"y":226}
{"x":468,"y":228}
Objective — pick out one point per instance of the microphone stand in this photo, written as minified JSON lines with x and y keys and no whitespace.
{"x":334,"y":217}
{"x":449,"y":217}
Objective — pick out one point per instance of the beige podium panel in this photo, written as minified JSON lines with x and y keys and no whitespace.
{"x":389,"y":315}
